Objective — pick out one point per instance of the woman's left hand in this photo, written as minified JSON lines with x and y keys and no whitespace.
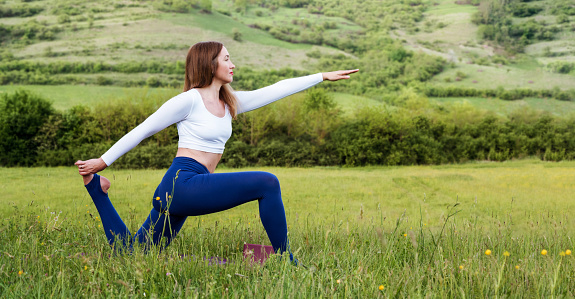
{"x":338,"y":75}
{"x":91,"y":166}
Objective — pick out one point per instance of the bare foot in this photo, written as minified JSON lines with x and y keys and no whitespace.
{"x":104,"y":182}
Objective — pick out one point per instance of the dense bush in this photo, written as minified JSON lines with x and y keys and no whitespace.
{"x":305,"y":130}
{"x":183,"y":6}
{"x":22,"y":116}
{"x":500,"y":92}
{"x":19,"y":11}
{"x":524,"y":10}
{"x":66,"y":67}
{"x":29,"y":31}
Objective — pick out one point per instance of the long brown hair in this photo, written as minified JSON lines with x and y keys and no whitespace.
{"x":201,"y":65}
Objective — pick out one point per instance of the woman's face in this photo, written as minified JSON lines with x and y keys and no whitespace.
{"x":225,"y":68}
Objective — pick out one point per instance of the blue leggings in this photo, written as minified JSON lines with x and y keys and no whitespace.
{"x":188,"y":189}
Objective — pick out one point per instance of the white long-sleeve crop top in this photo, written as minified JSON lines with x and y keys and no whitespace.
{"x":198,"y":128}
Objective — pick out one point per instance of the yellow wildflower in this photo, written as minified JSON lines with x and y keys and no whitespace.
{"x":517,"y":267}
{"x":506,"y":253}
{"x":20,"y":272}
{"x":85,"y":267}
{"x":562,"y":253}
{"x":338,"y":281}
{"x":567,"y":252}
{"x":405,"y":235}
{"x":158,"y":198}
{"x":461,"y":267}
{"x":544,"y":252}
{"x":487,"y":252}
{"x":381,"y":287}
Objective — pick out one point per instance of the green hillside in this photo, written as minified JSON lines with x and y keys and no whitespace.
{"x":413,"y":44}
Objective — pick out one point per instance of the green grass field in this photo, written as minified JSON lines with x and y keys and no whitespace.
{"x":481,"y":229}
{"x":362,"y":232}
{"x":527,"y":74}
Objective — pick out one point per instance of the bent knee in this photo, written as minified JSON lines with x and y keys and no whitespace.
{"x":105,"y":184}
{"x":269,"y":180}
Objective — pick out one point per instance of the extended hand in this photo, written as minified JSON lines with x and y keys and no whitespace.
{"x":338,"y":75}
{"x":90,"y":166}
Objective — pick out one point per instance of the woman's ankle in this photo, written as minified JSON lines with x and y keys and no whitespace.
{"x":87,"y":179}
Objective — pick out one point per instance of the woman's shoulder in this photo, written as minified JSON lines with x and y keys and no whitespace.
{"x":183,"y":101}
{"x":189,"y":96}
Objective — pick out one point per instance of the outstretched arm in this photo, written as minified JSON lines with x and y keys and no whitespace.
{"x":174,"y":110}
{"x":250,"y":100}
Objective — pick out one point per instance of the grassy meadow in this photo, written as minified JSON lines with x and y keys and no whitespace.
{"x":480,"y":229}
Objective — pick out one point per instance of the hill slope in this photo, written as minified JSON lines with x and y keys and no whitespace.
{"x":303,"y":35}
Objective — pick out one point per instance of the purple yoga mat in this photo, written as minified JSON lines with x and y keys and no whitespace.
{"x":257,"y":253}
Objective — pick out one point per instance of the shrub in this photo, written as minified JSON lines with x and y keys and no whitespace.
{"x":101,"y":80}
{"x":523,"y":10}
{"x":236,"y":35}
{"x":562,"y":67}
{"x":22,"y":114}
{"x":153,"y":81}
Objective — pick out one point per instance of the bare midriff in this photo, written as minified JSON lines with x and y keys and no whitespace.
{"x":209,"y":160}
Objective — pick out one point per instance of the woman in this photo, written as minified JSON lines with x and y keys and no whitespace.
{"x":203,"y":113}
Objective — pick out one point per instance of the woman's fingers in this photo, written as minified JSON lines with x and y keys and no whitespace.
{"x":83,"y":167}
{"x":347,"y":72}
{"x":339,"y":75}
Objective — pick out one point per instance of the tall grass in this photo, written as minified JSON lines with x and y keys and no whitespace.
{"x":367,"y":232}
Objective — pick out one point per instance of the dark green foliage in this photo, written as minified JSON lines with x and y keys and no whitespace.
{"x":181,"y":6}
{"x":19,"y":11}
{"x":500,"y":92}
{"x":27,"y":72}
{"x":21,"y":117}
{"x":524,"y":10}
{"x":29,"y":31}
{"x":495,"y":23}
{"x":64,"y":67}
{"x":101,"y":80}
{"x":236,"y":35}
{"x":311,"y":132}
{"x":293,"y":3}
{"x":318,"y":99}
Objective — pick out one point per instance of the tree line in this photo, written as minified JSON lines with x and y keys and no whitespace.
{"x":307,"y":129}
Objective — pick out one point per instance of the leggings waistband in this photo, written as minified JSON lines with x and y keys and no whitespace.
{"x":188,"y":164}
